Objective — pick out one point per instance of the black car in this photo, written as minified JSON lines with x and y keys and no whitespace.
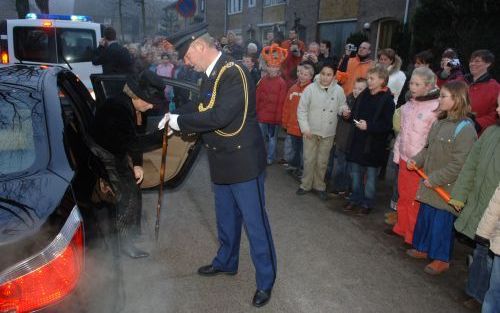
{"x":50,"y":168}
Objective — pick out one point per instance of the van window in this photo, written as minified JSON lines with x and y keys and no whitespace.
{"x":39,"y":44}
{"x":75,"y":45}
{"x":36,"y":44}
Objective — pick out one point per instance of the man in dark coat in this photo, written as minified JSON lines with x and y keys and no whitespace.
{"x":114,"y":58}
{"x":114,"y":129}
{"x":226,"y":119}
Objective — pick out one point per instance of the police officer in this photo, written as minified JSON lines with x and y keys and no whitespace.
{"x":226,"y":119}
{"x":114,"y":129}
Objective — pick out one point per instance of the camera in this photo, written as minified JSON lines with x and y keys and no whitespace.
{"x":351,"y":47}
{"x":453,"y":63}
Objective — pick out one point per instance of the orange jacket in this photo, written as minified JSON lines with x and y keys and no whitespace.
{"x":289,"y":116}
{"x":355,"y":69}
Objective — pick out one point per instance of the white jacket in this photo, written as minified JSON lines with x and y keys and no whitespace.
{"x":319,"y":109}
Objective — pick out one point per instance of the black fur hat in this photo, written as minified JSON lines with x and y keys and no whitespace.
{"x":148,"y":86}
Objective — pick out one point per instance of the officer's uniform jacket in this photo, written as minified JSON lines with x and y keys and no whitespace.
{"x":236,"y":158}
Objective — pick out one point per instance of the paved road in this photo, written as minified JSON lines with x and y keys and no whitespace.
{"x":327,"y":261}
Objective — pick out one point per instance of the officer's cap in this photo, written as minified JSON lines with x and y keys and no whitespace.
{"x":183,"y":39}
{"x":147,"y":86}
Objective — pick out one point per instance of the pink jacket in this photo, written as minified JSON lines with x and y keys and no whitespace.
{"x":417,"y":117}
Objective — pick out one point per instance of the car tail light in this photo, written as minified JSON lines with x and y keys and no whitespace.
{"x":49,"y":276}
{"x":5,"y":57}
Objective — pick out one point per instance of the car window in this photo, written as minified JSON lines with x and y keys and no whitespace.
{"x":75,"y":45}
{"x":20,"y":110}
{"x":36,"y":44}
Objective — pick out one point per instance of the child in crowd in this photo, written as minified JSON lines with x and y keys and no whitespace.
{"x":417,"y":117}
{"x":290,"y":123}
{"x":317,"y":114}
{"x":472,"y":192}
{"x":271,"y":93}
{"x":340,"y":181}
{"x":372,"y":117}
{"x":250,"y":63}
{"x":448,"y":145}
{"x":166,"y":68}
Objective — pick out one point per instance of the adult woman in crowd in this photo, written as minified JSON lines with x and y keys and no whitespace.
{"x":390,"y":60}
{"x":483,"y":89}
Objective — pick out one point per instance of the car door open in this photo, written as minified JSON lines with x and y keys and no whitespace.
{"x":182,"y":149}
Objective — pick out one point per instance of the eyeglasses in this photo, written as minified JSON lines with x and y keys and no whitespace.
{"x":444,"y":96}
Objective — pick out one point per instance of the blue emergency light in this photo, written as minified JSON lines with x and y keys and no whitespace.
{"x":74,"y":18}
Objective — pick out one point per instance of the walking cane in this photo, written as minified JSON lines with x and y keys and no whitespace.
{"x":162,"y":177}
{"x":440,"y":191}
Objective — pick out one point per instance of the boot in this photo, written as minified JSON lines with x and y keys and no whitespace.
{"x":437,"y":267}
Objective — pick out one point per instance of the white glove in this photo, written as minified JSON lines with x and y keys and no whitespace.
{"x":164,"y":121}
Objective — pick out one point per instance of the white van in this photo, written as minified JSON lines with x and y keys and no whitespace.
{"x":64,"y":40}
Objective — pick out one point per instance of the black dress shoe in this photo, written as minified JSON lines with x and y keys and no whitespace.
{"x":133,"y":252}
{"x":261,"y":298}
{"x":209,"y":270}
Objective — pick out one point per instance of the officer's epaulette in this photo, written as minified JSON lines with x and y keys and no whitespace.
{"x":211,"y":103}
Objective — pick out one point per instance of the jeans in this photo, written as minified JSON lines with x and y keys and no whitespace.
{"x":341,"y":179}
{"x":363,"y":191}
{"x":288,"y":149}
{"x":491,"y":302}
{"x":479,"y":273}
{"x":270,"y":133}
{"x":296,"y":160}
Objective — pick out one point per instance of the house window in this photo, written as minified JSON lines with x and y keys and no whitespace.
{"x":234,"y":6}
{"x":337,"y":33}
{"x":251,"y":3}
{"x":273,"y":2}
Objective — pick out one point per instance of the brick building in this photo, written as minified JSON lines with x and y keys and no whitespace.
{"x":334,"y":20}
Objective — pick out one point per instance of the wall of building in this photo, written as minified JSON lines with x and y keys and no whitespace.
{"x":8,"y":10}
{"x":215,"y":17}
{"x":338,"y":9}
{"x":308,"y":12}
{"x":273,"y":14}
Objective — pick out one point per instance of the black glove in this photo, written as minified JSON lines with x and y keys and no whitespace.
{"x":482,"y":241}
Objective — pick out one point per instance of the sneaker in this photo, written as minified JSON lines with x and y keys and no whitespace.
{"x":338,"y":193}
{"x":472,"y":304}
{"x":301,"y":191}
{"x":350,"y":207}
{"x":391,"y":218}
{"x":269,"y":162}
{"x":414,"y":253}
{"x":323,"y":195}
{"x":282,"y":161}
{"x":364,"y":211}
{"x":390,"y":232}
{"x":437,"y":267}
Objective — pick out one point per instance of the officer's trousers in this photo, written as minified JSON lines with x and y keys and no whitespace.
{"x":244,"y":204}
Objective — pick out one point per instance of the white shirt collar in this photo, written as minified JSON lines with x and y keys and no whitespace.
{"x":212,"y":65}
